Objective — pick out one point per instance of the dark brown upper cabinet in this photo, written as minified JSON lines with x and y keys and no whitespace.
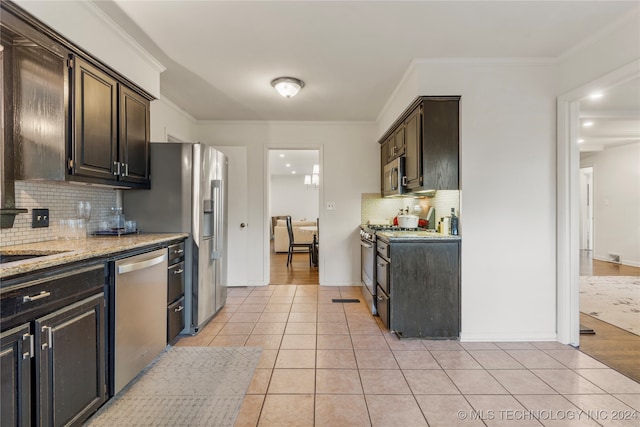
{"x":95,"y":108}
{"x":429,"y":129}
{"x":134,"y":137}
{"x":110,"y":129}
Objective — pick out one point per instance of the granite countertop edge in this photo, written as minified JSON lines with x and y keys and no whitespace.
{"x":416,"y":236}
{"x":59,"y":252}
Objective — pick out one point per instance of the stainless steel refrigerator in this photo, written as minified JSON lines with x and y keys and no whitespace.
{"x":189,"y":194}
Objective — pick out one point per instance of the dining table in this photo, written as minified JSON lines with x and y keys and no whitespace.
{"x":314,"y":249}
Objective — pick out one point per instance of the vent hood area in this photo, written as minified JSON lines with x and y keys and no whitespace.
{"x":34,"y":102}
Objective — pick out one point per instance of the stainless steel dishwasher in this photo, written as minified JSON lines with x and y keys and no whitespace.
{"x":140,"y":313}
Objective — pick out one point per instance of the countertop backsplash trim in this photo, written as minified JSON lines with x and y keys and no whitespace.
{"x":61,"y":200}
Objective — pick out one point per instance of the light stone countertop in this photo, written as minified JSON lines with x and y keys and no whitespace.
{"x":60,"y":252}
{"x":414,"y":236}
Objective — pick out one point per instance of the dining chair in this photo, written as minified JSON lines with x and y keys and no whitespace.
{"x":292,"y":244}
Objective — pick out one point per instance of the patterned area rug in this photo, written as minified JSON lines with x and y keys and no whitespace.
{"x":184,"y":386}
{"x":612,"y":299}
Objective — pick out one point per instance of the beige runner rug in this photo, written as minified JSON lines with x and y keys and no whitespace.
{"x":184,"y":386}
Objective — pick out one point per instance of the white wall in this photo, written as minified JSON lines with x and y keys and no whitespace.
{"x":349,"y":159}
{"x":507,"y":158}
{"x":168,"y":119}
{"x":89,"y":28}
{"x":289,"y":196}
{"x":616,"y":202}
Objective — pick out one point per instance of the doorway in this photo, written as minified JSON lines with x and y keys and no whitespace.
{"x":294,"y":190}
{"x":568,"y":199}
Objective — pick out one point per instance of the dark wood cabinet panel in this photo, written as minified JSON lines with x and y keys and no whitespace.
{"x":111,"y":129}
{"x":134,"y":136}
{"x":424,"y":285}
{"x":440,"y":142}
{"x":413,"y":149}
{"x":15,"y":372}
{"x":429,"y":131}
{"x":71,"y":362}
{"x":95,"y":141}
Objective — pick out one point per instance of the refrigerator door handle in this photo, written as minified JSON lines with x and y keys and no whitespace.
{"x":216,"y":186}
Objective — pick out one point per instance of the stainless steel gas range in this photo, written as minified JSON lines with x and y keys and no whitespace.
{"x":368,"y":260}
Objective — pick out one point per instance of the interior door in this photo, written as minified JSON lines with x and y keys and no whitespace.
{"x":237,"y":215}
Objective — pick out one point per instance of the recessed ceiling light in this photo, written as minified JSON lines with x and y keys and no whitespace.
{"x":288,"y":165}
{"x":580,"y":141}
{"x":293,"y":172}
{"x":281,"y":155}
{"x":596,"y":95}
{"x":587,"y":124}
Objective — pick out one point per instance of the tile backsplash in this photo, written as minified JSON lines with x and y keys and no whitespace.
{"x":374,"y":206}
{"x":61,"y":200}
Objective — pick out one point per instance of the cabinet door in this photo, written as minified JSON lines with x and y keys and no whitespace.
{"x":134,"y":137}
{"x":440,"y":149}
{"x":413,"y":151}
{"x":71,"y":362}
{"x":15,"y":373}
{"x":398,"y":139}
{"x":95,"y":137}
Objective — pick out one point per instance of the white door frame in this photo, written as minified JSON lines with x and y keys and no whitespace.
{"x":568,"y":200}
{"x":267,"y":192}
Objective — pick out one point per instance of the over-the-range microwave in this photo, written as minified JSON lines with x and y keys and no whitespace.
{"x":393,"y":176}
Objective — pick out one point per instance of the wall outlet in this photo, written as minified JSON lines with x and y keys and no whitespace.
{"x":39,"y":218}
{"x":331,"y":206}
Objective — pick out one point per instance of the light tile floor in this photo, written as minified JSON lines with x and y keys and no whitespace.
{"x":333,"y":364}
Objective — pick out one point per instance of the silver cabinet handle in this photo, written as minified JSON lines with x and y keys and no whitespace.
{"x":178,"y":251}
{"x":49,"y":332}
{"x":179,"y":309}
{"x":178,"y":271}
{"x":135,"y":266}
{"x":126,"y":169}
{"x":29,"y":354}
{"x":365,"y":245}
{"x":42,"y":294}
{"x":380,"y":298}
{"x":404,"y":181}
{"x":117,"y":168}
{"x":382,"y":265}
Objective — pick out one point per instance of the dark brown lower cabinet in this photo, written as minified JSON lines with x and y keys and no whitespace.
{"x":424,"y":289}
{"x":15,"y":371}
{"x":175,"y":291}
{"x":53,"y":355}
{"x":70,"y":360}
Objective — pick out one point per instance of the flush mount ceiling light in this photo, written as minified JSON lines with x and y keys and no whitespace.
{"x":287,"y":86}
{"x":587,"y":124}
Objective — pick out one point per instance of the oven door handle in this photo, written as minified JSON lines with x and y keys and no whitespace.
{"x":365,"y":245}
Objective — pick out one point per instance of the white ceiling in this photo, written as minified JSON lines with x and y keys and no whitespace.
{"x":221,"y":55}
{"x":615,"y":117}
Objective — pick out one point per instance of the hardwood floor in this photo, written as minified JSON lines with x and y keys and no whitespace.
{"x":610,"y":345}
{"x":297,"y":273}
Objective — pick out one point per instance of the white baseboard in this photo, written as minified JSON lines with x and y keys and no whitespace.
{"x":508,"y":337}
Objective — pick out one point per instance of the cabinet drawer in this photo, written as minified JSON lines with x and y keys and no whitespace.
{"x":176,"y":253}
{"x":40,"y":293}
{"x":175,"y":319}
{"x":382,"y":274}
{"x":175,"y":288}
{"x":383,"y":307}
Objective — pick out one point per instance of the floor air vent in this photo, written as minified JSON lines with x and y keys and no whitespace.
{"x":345,"y":300}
